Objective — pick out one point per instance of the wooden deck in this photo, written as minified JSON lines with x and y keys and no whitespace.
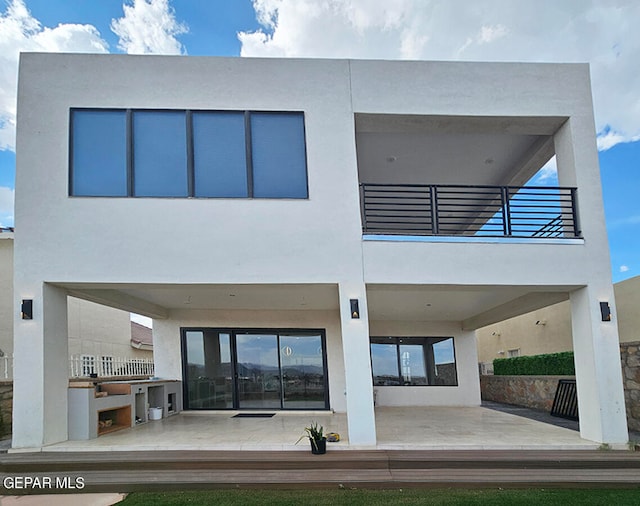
{"x":174,"y":470}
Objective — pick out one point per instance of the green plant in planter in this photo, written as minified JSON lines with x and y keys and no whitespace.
{"x":315,"y":434}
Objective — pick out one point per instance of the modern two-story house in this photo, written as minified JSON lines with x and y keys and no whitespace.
{"x":308,"y":233}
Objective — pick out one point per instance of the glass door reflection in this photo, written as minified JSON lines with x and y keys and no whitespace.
{"x":258,"y":371}
{"x":209,"y":370}
{"x":303,"y":379}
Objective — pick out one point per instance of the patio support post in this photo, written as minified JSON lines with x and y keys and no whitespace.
{"x":598,"y":371}
{"x":41,"y":370}
{"x":595,"y":343}
{"x":357,"y":366}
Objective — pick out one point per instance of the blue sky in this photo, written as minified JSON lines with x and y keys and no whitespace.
{"x":602,"y":33}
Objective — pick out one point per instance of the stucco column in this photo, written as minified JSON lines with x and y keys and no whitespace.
{"x":598,"y":371}
{"x":41,"y":368}
{"x":357,"y":366}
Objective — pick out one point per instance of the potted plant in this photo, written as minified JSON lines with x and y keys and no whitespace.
{"x":315,"y":434}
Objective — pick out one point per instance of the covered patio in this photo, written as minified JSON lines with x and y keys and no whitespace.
{"x":406,"y":428}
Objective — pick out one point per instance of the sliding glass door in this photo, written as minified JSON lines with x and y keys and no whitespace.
{"x":208,"y":369}
{"x":254,"y":369}
{"x":302,"y":365}
{"x":258,"y":371}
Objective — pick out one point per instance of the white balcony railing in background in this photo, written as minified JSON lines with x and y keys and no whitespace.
{"x":6,"y":367}
{"x":83,"y":366}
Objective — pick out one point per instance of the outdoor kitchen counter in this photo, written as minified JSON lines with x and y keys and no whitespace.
{"x":96,"y":408}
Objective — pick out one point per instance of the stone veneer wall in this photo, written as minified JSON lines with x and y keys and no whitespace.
{"x":6,"y":408}
{"x":535,"y":392}
{"x":630,"y":356}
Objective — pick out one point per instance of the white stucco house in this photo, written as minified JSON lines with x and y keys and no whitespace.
{"x":303,"y":232}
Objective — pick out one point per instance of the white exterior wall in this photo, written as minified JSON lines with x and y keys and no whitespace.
{"x":168,"y":355}
{"x":103,"y":239}
{"x":100,"y":331}
{"x":467,"y":393}
{"x":318,"y":240}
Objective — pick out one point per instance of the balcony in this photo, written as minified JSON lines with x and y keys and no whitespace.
{"x":529,"y":212}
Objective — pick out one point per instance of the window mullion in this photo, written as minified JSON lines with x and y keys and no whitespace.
{"x":249,"y":154}
{"x":400,"y":377}
{"x":190,"y":155}
{"x":129,"y":138}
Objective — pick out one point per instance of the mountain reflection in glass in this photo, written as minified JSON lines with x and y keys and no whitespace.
{"x":258,"y":372}
{"x":242,"y":369}
{"x":302,"y":372}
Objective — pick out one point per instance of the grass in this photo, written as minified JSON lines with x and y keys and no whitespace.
{"x":355,"y":497}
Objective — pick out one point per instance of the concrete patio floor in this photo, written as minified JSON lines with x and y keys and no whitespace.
{"x":432,"y":428}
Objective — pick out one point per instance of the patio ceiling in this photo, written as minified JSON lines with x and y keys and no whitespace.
{"x":408,"y":149}
{"x":473,"y":306}
{"x":155,"y":300}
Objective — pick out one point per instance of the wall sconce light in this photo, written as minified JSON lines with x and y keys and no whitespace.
{"x":26,"y":309}
{"x":605,"y":311}
{"x":355,"y":309}
{"x":541,"y":322}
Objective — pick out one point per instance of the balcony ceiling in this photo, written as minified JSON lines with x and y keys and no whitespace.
{"x":452,"y":149}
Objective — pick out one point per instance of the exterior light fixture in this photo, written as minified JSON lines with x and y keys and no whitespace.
{"x":605,"y":311}
{"x":26,"y":309}
{"x":355,"y":309}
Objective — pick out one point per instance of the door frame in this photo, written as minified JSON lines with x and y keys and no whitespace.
{"x":233,"y":331}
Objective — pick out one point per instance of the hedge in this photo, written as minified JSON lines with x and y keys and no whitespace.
{"x":550,"y":364}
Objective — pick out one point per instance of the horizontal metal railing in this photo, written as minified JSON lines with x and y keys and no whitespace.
{"x":471,"y":211}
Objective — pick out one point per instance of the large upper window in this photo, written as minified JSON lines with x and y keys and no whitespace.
{"x":413,"y":361}
{"x":183,"y":153}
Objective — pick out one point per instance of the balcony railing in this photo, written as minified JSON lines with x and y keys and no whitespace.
{"x":536,"y":212}
{"x":83,"y":366}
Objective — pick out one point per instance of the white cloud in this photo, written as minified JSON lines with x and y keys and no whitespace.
{"x":20,"y":31}
{"x":548,"y":174}
{"x":624,"y":268}
{"x":7,"y":196}
{"x":149,"y":27}
{"x":604,"y":34}
{"x":607,"y":138}
{"x":491,"y":33}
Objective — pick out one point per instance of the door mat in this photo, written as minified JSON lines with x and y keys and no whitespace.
{"x":253,"y":415}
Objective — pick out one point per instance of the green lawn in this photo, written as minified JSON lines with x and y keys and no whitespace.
{"x":511,"y":497}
